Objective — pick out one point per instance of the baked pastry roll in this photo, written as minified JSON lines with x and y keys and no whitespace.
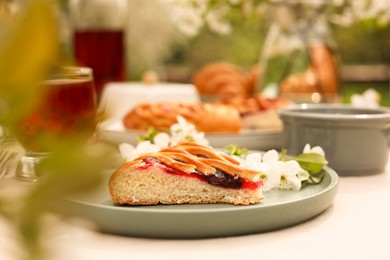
{"x":223,"y":80}
{"x":188,"y":173}
{"x":209,"y":118}
{"x":258,"y":111}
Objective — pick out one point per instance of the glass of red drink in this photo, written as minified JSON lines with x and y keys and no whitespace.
{"x":66,"y":111}
{"x":98,"y":38}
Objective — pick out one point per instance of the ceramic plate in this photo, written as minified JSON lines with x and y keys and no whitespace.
{"x":278,"y":210}
{"x":114,"y":132}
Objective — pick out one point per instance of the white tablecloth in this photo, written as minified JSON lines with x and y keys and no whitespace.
{"x":356,"y":226}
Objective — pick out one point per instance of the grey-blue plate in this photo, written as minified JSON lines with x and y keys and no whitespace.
{"x":263,"y":139}
{"x":279,"y":209}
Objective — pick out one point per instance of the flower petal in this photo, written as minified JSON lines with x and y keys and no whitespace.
{"x":290,"y":182}
{"x":271,"y":156}
{"x":318,"y":150}
{"x":307,"y":148}
{"x":127,"y":151}
{"x":162,"y":140}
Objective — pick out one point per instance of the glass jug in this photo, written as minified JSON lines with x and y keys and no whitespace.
{"x":99,"y":38}
{"x":298,"y":59}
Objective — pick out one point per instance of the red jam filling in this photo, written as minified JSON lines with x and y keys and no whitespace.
{"x":220,"y":179}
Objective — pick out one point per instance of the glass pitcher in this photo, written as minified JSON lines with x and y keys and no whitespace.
{"x":298,"y":59}
{"x":99,"y":38}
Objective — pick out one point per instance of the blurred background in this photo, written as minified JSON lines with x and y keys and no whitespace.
{"x":173,"y":38}
{"x":156,"y":39}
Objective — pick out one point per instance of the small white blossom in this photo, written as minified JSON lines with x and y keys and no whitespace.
{"x":275,"y":173}
{"x":162,"y":140}
{"x":289,"y":179}
{"x":180,"y":132}
{"x":184,"y":131}
{"x":129,"y":152}
{"x":315,"y":149}
{"x":146,"y":147}
{"x":369,"y":98}
{"x":271,"y":156}
{"x":270,"y":175}
{"x":251,"y":161}
{"x":216,"y":23}
{"x":191,"y":15}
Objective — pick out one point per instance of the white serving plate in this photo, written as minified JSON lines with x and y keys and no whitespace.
{"x":114,"y":132}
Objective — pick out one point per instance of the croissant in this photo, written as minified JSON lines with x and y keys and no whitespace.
{"x":223,"y":80}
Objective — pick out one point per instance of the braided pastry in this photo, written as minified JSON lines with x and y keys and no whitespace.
{"x":206,"y":117}
{"x":186,"y":173}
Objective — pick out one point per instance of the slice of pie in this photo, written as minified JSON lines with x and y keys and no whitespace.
{"x":188,"y":173}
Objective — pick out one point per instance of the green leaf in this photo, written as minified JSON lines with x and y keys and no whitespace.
{"x":311,"y":162}
{"x":314,"y":178}
{"x":149,"y":136}
{"x":283,"y":155}
{"x":234,"y":149}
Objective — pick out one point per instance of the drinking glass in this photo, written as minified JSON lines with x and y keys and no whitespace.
{"x":98,"y":38}
{"x":66,"y":110}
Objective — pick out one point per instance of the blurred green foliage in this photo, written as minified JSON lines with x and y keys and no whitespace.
{"x":29,"y":49}
{"x":241,"y":47}
{"x":383,"y":88}
{"x":362,"y":43}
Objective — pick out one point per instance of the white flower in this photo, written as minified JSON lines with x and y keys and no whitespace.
{"x":254,"y":162}
{"x":358,"y":10}
{"x":270,"y":175}
{"x":271,"y":156}
{"x":269,"y":165}
{"x":146,"y":147}
{"x":251,"y":162}
{"x":315,"y":149}
{"x":180,"y":132}
{"x":289,"y":172}
{"x":186,"y":16}
{"x":215,"y":21}
{"x":183,"y":131}
{"x":369,"y":98}
{"x":275,"y":174}
{"x":162,"y":140}
{"x":129,"y":152}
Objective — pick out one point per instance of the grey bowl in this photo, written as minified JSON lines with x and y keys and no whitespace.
{"x":355,"y":140}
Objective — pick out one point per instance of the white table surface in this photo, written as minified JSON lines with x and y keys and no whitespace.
{"x":356,"y":226}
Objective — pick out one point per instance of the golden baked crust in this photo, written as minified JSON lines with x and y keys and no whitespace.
{"x":222,"y":80}
{"x":259,"y":112}
{"x":204,"y":159}
{"x":256,"y":103}
{"x":210,"y":118}
{"x":139,"y":183}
